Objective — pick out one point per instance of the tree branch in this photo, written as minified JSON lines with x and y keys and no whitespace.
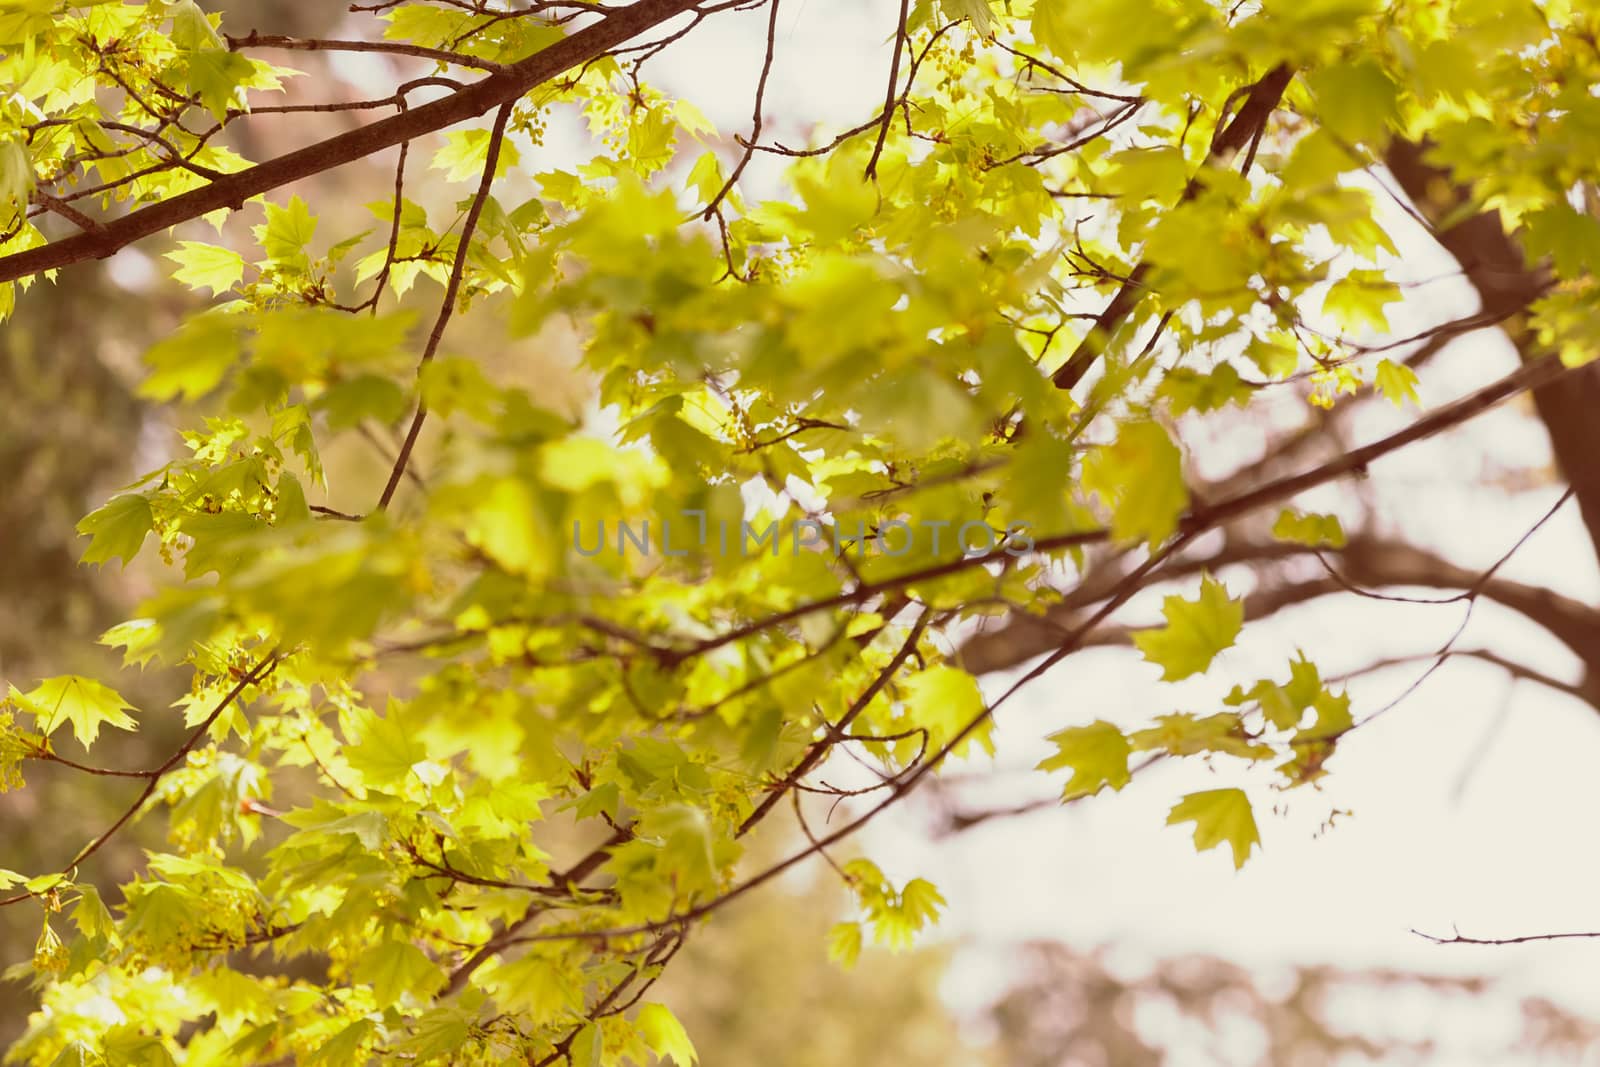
{"x":1245,"y":128}
{"x":232,"y":190}
{"x":1458,"y":939}
{"x":452,"y":291}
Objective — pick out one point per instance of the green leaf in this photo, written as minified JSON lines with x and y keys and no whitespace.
{"x":1140,"y":477}
{"x":844,"y":944}
{"x":1313,"y":531}
{"x":466,"y":151}
{"x":217,"y":75}
{"x":83,"y":702}
{"x":367,"y":396}
{"x":1220,"y":816}
{"x":665,"y":1035}
{"x":977,"y":10}
{"x":687,"y":843}
{"x":1096,"y":754}
{"x":438,"y":1033}
{"x":194,"y":360}
{"x":118,"y":529}
{"x":191,"y":28}
{"x":129,"y":1048}
{"x":1183,"y":734}
{"x":1356,"y":100}
{"x":396,"y":968}
{"x":77,"y":1054}
{"x":1570,"y":238}
{"x":367,"y":827}
{"x":1397,"y":383}
{"x":16,"y":179}
{"x":387,"y":751}
{"x":287,"y":232}
{"x":1196,"y":631}
{"x":588,"y":1047}
{"x":539,"y":987}
{"x":944,"y":699}
{"x":344,"y":1047}
{"x":203,"y":266}
{"x":1357,"y":301}
{"x":1275,"y":357}
{"x":1158,"y":173}
{"x":1189,"y":390}
{"x":90,"y":914}
{"x":921,"y":902}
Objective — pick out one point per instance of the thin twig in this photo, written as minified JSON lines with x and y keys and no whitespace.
{"x":451,"y":292}
{"x":890,"y":93}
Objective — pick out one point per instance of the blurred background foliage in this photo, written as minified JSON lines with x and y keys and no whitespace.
{"x":756,"y":986}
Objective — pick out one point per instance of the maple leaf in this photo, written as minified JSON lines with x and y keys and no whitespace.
{"x":395,"y":968}
{"x":1397,"y":382}
{"x":1096,"y":754}
{"x":1196,"y":631}
{"x":117,"y":529}
{"x":1140,"y":477}
{"x":83,"y":702}
{"x":665,"y":1035}
{"x":203,"y":266}
{"x":1314,"y":531}
{"x":1220,"y":816}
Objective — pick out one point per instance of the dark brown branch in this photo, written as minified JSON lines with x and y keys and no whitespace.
{"x":756,"y":119}
{"x":820,"y":748}
{"x":1370,"y":561}
{"x":572,"y":876}
{"x":1245,"y":128}
{"x":452,"y":291}
{"x":889,"y":93}
{"x":232,"y":190}
{"x":1511,"y":667}
{"x":67,"y":211}
{"x":1355,"y":461}
{"x":1458,"y":939}
{"x":1507,"y":284}
{"x":396,"y":48}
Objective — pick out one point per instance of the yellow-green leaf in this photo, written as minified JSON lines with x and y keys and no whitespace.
{"x":1140,"y":477}
{"x":944,"y":700}
{"x":1314,"y":531}
{"x":1220,"y":816}
{"x":1096,"y":754}
{"x":466,"y":151}
{"x":83,"y":702}
{"x":1397,"y":383}
{"x":288,"y":230}
{"x":844,"y":944}
{"x":538,"y":986}
{"x":665,"y":1035}
{"x":1195,"y":632}
{"x":1357,"y":301}
{"x":395,"y":968}
{"x":203,"y":266}
{"x":117,"y":529}
{"x":1356,"y":100}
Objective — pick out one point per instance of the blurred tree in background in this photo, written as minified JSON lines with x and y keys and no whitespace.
{"x":1068,"y":1008}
